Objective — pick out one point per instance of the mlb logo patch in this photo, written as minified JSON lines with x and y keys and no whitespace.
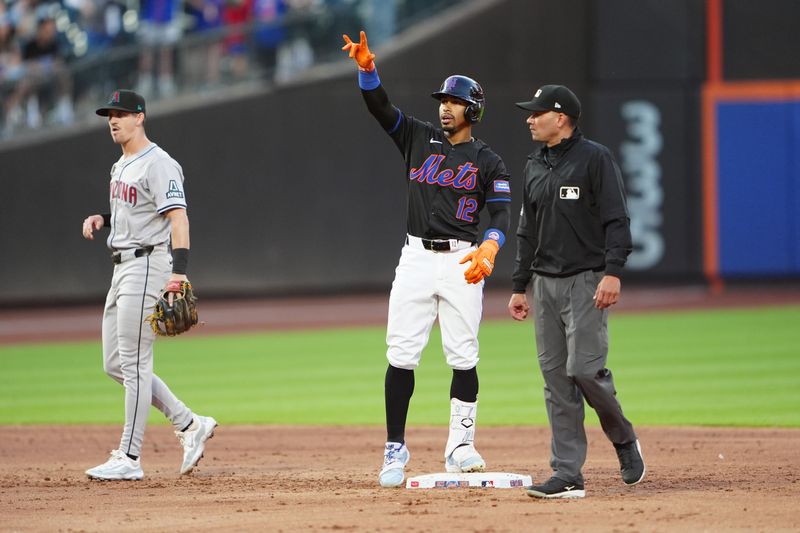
{"x":501,"y":186}
{"x":569,"y":193}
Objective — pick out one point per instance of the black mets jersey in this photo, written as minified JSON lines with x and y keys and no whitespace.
{"x":448,"y":185}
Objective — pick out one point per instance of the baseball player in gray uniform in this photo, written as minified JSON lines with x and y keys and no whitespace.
{"x":148,"y":214}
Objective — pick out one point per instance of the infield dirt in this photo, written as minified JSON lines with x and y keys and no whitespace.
{"x":271,"y":478}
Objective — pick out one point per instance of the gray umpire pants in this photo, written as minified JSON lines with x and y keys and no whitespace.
{"x":128,"y":345}
{"x":572,"y":346}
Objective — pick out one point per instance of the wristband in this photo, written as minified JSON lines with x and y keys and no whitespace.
{"x":106,"y":219}
{"x":495,"y":235}
{"x":368,"y":81}
{"x":180,"y":259}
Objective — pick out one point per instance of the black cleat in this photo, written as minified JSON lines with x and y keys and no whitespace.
{"x":631,"y":463}
{"x":556,"y":488}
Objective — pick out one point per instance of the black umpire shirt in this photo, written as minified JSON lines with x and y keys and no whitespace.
{"x":574,"y":216}
{"x":448,"y":185}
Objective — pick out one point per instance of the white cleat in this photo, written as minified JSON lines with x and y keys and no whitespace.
{"x":465,"y":459}
{"x":395,"y":459}
{"x":118,"y":467}
{"x":194,"y":440}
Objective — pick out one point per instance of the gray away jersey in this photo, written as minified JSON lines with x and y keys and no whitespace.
{"x":143,"y":188}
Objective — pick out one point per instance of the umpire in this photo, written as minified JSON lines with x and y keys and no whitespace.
{"x":573,"y":239}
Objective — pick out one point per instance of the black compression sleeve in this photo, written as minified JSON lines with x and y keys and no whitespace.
{"x":379,"y":106}
{"x":500,"y":216}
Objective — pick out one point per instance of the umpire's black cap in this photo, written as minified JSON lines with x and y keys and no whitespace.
{"x":554,"y":98}
{"x":123,"y":100}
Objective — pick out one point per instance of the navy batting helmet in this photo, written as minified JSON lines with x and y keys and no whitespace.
{"x":466,"y":89}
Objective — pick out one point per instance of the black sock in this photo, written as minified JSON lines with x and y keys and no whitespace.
{"x":464,"y":385}
{"x":398,"y":390}
{"x":132,"y":457}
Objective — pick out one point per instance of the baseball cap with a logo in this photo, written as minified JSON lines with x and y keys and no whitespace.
{"x":123,"y":100}
{"x":554,"y":98}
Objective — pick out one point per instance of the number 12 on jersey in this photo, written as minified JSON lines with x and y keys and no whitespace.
{"x":466,"y":207}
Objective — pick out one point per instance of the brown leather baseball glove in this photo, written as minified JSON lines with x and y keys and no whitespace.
{"x":175,"y":311}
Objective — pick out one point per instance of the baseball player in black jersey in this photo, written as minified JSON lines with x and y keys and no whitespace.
{"x":451,"y":176}
{"x":573,"y":239}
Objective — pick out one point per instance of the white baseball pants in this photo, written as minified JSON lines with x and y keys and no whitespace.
{"x":428,"y":284}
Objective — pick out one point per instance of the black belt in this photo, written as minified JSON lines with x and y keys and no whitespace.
{"x":435,"y":245}
{"x":116,"y":257}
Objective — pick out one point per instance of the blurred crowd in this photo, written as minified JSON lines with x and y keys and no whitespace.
{"x":54,"y":54}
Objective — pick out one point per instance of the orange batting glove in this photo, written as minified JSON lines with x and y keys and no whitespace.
{"x":482,"y":261}
{"x":360,"y":52}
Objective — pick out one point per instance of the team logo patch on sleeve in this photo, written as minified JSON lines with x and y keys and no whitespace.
{"x":174,"y":191}
{"x":501,"y":186}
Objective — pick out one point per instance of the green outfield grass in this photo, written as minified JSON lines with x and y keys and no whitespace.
{"x":728,"y":367}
